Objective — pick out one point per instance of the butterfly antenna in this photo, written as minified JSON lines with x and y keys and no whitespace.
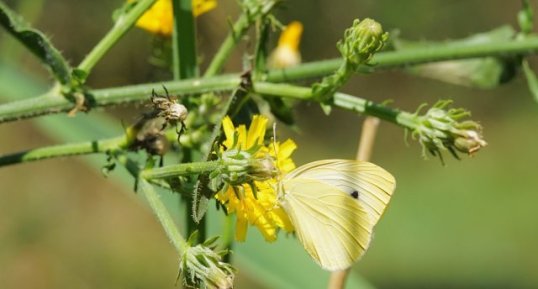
{"x":279,"y":188}
{"x":275,"y":148}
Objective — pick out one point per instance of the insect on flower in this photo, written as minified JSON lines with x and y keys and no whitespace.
{"x":168,"y":108}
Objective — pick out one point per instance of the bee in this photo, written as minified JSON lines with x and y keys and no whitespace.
{"x":171,"y":110}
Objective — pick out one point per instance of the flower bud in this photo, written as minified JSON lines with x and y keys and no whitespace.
{"x":287,"y":53}
{"x":202,"y":267}
{"x":241,"y":166}
{"x":361,"y":41}
{"x":440,"y":129}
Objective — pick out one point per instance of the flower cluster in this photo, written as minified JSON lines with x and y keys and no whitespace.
{"x":252,"y":190}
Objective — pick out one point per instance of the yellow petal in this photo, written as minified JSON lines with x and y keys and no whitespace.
{"x":291,"y":36}
{"x":228,"y":128}
{"x":256,"y":131}
{"x":241,"y":229}
{"x":286,"y":149}
{"x":200,"y":7}
{"x":159,"y":18}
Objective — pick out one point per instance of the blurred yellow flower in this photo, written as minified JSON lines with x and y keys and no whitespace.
{"x":159,"y":19}
{"x":260,"y":210}
{"x":287,"y":53}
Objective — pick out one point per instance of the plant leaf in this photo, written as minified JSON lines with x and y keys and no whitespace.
{"x":36,"y":42}
{"x":486,"y":72}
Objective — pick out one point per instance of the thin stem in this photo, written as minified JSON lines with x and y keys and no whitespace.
{"x":122,"y":25}
{"x":98,"y":146}
{"x":227,"y":239}
{"x":164,"y":216}
{"x":52,"y":103}
{"x":179,"y":170}
{"x":184,"y":41}
{"x":411,"y":56}
{"x":185,"y":65}
{"x":155,"y":203}
{"x":239,"y":29}
{"x":366,"y":143}
{"x":337,"y":280}
{"x":55,"y":104}
{"x":342,"y":100}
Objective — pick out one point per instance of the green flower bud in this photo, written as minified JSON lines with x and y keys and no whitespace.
{"x":241,"y":167}
{"x":441,"y":129}
{"x":202,"y":267}
{"x":361,"y":41}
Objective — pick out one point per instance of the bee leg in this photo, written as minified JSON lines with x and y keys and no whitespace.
{"x":164,"y":126}
{"x":167,"y":94}
{"x":153,"y":95}
{"x":161,"y":161}
{"x":181,"y":130}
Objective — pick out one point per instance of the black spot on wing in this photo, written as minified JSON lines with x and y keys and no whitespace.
{"x":355,"y":194}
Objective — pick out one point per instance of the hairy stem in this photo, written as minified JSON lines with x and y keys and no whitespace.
{"x":345,"y":101}
{"x":179,"y":170}
{"x":164,"y":216}
{"x":82,"y":148}
{"x":51,"y":103}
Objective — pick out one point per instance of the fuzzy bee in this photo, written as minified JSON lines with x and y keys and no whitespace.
{"x":168,"y":108}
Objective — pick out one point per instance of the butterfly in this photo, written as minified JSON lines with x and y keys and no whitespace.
{"x":334,"y":205}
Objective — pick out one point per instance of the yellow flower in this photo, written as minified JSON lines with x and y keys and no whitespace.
{"x":159,"y":19}
{"x":287,"y":52}
{"x":260,"y":210}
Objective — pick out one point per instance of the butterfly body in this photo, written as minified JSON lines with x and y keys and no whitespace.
{"x":334,"y":205}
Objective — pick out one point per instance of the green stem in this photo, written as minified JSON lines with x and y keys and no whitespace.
{"x":341,"y":100}
{"x":180,"y":170}
{"x":239,"y":29}
{"x":122,"y":25}
{"x":50,"y":104}
{"x":184,"y":41}
{"x":227,"y":239}
{"x":411,"y":56}
{"x":164,"y":216}
{"x":99,"y":146}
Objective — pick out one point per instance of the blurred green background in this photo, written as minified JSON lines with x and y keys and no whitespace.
{"x":469,"y":224}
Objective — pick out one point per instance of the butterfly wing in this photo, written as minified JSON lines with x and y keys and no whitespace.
{"x":334,"y":227}
{"x":371,"y":185}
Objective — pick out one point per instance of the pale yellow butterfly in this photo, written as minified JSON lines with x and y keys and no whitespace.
{"x":334,"y":205}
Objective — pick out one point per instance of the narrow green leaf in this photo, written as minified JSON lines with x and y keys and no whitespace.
{"x":36,"y":42}
{"x":532,"y":81}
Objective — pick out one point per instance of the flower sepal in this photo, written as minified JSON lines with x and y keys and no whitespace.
{"x":201,"y":265}
{"x":441,"y":129}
